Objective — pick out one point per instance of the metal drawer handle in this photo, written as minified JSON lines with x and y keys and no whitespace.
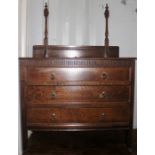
{"x":102,"y":117}
{"x":102,"y":95}
{"x":104,"y":76}
{"x":52,"y":77}
{"x":53,"y":94}
{"x":53,"y":116}
{"x":103,"y":114}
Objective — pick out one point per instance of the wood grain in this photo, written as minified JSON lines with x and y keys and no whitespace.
{"x":75,"y":51}
{"x":82,"y":94}
{"x":69,"y":94}
{"x":48,"y":75}
{"x":77,"y":115}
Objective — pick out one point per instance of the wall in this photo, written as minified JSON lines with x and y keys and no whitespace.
{"x":22,"y":52}
{"x":79,"y":22}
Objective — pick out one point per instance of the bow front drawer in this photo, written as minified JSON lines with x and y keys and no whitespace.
{"x":59,"y":94}
{"x":77,"y":115}
{"x":47,"y":75}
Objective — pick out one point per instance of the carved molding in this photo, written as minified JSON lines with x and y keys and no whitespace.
{"x":76,"y":62}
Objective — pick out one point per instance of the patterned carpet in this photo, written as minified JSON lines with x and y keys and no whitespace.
{"x":77,"y":143}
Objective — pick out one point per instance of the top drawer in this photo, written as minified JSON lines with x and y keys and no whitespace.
{"x":47,"y":75}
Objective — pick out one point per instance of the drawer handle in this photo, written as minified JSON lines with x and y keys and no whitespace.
{"x":103,"y":114}
{"x":102,"y":117}
{"x":53,"y":94}
{"x":53,"y":116}
{"x":52,"y":76}
{"x":104,"y":76}
{"x":102,"y":95}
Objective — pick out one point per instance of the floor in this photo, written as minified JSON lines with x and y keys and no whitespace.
{"x":80,"y":143}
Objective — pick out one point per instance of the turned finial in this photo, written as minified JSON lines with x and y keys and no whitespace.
{"x":106,"y":14}
{"x":46,"y":13}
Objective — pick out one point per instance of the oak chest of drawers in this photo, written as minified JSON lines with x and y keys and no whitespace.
{"x":77,"y":94}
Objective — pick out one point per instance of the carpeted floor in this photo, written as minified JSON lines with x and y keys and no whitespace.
{"x":77,"y":143}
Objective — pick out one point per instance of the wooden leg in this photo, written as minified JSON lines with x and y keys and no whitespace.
{"x":24,"y":139}
{"x":129,"y":140}
{"x":24,"y":131}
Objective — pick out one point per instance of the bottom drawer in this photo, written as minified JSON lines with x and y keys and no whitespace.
{"x":76,"y":115}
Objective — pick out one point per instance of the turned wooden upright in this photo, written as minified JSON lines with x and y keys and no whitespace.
{"x":48,"y":51}
{"x":46,"y":13}
{"x":106,"y":30}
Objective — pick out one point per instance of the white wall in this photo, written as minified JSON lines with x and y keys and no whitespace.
{"x":81,"y":22}
{"x":22,"y":52}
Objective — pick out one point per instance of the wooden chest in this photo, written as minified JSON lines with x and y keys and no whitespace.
{"x":76,"y":88}
{"x":77,"y":94}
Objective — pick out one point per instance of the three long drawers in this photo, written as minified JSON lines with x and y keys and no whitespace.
{"x":77,"y":94}
{"x":47,"y":87}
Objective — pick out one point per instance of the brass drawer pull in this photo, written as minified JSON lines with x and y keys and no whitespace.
{"x":103,"y":114}
{"x":102,"y":95}
{"x":52,"y":76}
{"x":102,"y":117}
{"x":53,"y":114}
{"x":53,"y":117}
{"x":104,"y":76}
{"x":53,"y":94}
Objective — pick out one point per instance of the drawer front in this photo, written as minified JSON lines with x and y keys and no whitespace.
{"x":55,"y":94}
{"x":53,"y":75}
{"x":77,"y":115}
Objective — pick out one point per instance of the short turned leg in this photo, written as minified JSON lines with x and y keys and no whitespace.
{"x":24,"y":139}
{"x":129,"y":140}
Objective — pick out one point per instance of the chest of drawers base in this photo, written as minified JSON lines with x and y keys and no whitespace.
{"x":89,"y":94}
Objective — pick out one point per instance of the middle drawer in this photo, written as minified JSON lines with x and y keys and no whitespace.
{"x":60,"y":94}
